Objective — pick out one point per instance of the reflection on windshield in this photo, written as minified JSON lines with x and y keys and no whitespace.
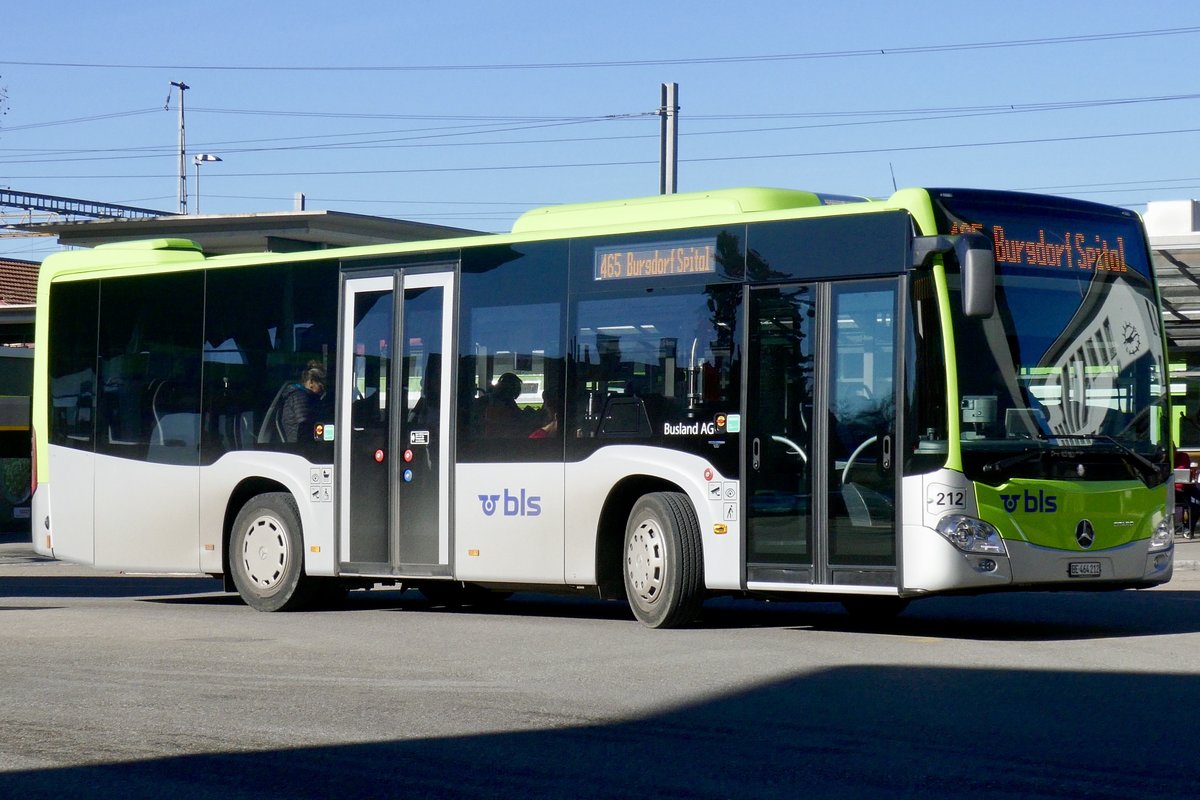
{"x":1062,"y":356}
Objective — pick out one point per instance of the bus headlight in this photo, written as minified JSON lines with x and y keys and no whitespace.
{"x":971,"y":535}
{"x":1164,"y":533}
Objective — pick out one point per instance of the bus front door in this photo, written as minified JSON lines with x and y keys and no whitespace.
{"x":394,"y":452}
{"x":821,"y":477}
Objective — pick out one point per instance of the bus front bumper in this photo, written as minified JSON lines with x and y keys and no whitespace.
{"x":1129,"y":563}
{"x":932,"y":565}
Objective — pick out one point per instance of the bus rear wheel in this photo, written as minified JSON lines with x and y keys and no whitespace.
{"x":266,"y":554}
{"x":663,"y":561}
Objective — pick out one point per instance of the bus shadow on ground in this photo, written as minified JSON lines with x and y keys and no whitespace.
{"x":108,"y":586}
{"x":860,"y":731}
{"x":1061,"y":616}
{"x":1017,"y":617}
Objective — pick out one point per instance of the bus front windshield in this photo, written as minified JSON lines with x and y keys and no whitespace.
{"x":1066,"y":379}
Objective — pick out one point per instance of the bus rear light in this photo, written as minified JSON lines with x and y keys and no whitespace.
{"x":32,"y":461}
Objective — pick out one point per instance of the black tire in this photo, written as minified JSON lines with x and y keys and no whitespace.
{"x":663,"y":563}
{"x":266,"y":554}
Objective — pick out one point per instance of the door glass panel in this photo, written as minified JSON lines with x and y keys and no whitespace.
{"x":369,"y":426}
{"x":779,"y":501}
{"x":420,"y":396}
{"x":862,"y":426}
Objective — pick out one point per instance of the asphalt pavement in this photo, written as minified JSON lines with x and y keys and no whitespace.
{"x":1187,"y":553}
{"x":162,"y":687}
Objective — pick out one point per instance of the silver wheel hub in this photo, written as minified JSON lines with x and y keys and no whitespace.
{"x":265,"y":552}
{"x":645,"y":561}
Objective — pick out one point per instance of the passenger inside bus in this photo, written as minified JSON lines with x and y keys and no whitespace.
{"x":502,"y":417}
{"x":551,"y":410}
{"x":301,"y":403}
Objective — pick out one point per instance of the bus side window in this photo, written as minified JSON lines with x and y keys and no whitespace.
{"x":510,"y":360}
{"x":72,"y":362}
{"x":149,"y":358}
{"x":265,"y":326}
{"x":645,"y":360}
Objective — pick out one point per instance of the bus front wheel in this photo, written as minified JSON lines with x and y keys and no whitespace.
{"x":266,"y":554}
{"x":663,"y":562}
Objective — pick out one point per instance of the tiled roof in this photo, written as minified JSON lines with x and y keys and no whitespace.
{"x":18,"y":281}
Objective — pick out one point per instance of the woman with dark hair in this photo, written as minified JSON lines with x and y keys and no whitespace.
{"x":301,"y":403}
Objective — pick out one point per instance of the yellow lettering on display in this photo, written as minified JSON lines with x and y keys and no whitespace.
{"x":1081,"y":251}
{"x":682,"y":258}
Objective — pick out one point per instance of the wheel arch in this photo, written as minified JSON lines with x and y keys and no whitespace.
{"x":246,"y":490}
{"x":610,"y":529}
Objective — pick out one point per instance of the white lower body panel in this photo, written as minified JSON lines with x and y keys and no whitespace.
{"x":143,"y":517}
{"x":590,"y":481}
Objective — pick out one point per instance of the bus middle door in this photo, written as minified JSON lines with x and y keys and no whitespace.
{"x":394,"y":457}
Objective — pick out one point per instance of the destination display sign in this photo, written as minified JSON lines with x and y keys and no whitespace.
{"x":656,"y":260}
{"x":1062,"y":248}
{"x":1039,"y":239}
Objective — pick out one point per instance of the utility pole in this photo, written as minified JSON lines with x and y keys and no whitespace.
{"x":668,"y":172}
{"x":183,"y":194}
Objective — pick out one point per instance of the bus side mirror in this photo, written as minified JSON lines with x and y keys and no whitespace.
{"x":977,"y":263}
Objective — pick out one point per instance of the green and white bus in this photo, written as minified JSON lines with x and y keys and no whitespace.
{"x":752,"y":392}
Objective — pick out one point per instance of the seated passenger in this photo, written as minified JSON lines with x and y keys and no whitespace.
{"x":547,"y":421}
{"x":301,"y":403}
{"x":502,"y":417}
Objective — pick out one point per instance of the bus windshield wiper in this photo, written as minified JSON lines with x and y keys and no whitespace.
{"x":1149,"y":469}
{"x":1012,"y":461}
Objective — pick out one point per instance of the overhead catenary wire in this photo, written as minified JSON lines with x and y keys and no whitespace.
{"x":422,"y":137}
{"x":944,"y":47}
{"x":483,"y":120}
{"x":643,"y":162}
{"x":466,"y":130}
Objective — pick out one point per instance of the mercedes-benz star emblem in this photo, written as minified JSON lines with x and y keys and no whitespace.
{"x":1085,"y":534}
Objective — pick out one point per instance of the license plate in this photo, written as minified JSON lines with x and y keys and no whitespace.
{"x":1084,"y":569}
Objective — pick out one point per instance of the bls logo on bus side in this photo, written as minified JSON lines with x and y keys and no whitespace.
{"x":519,"y":504}
{"x":1040,"y":503}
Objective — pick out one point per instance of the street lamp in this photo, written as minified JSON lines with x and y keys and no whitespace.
{"x":199,"y":159}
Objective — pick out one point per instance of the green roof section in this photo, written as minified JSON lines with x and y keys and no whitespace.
{"x":152,"y":244}
{"x":620,"y":216}
{"x":670,"y":207}
{"x":149,"y":254}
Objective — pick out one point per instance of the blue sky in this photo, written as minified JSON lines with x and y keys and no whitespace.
{"x":467,"y":113}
